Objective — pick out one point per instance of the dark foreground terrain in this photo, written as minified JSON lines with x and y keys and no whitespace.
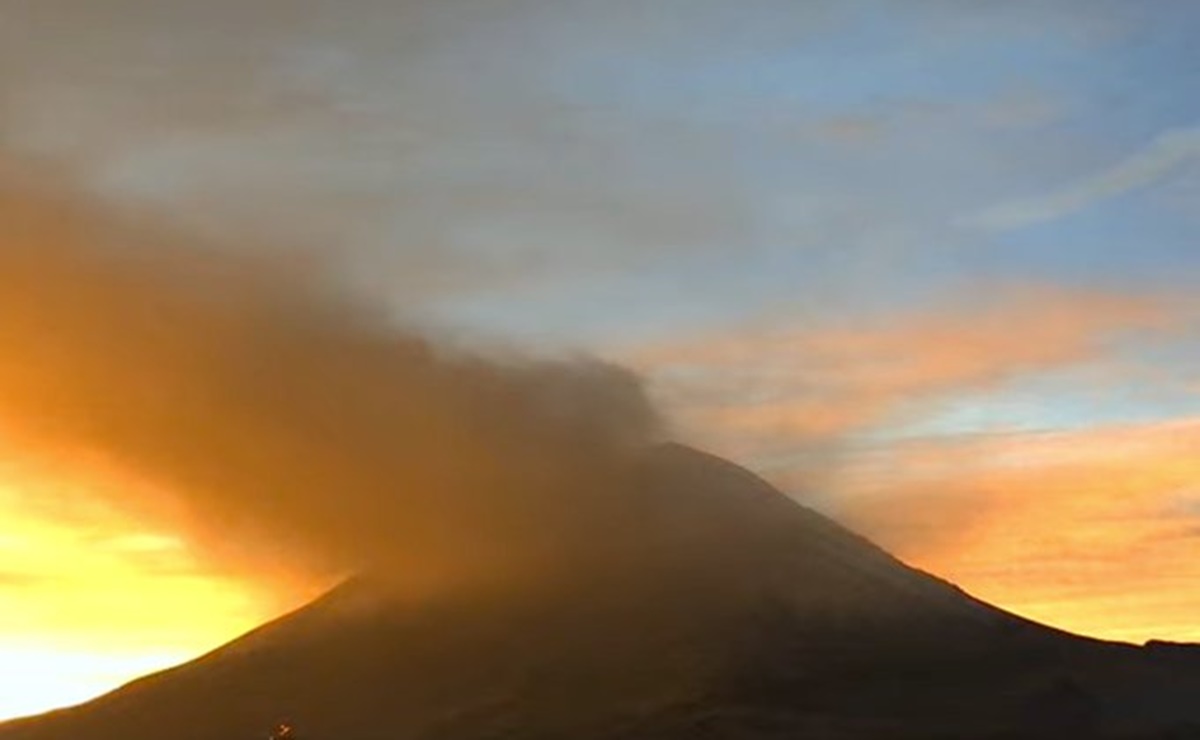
{"x":736,"y":613}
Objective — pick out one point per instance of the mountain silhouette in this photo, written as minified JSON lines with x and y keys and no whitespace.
{"x":715,"y":608}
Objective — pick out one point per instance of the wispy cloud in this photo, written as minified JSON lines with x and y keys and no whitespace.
{"x":1092,"y":530}
{"x":759,"y":389}
{"x":1167,"y":153}
{"x":1096,"y":530}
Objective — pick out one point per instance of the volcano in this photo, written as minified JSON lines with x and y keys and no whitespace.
{"x":716,"y":608}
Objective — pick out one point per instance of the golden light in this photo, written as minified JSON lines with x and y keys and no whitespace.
{"x":37,"y":678}
{"x":89,"y":600}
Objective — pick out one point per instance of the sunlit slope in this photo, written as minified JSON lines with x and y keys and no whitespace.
{"x":717,"y":608}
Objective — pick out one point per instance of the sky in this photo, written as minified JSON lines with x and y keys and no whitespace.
{"x":925,"y":265}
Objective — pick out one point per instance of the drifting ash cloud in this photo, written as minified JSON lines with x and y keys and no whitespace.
{"x":284,"y":422}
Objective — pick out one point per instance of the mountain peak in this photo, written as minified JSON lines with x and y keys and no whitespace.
{"x":711,"y":605}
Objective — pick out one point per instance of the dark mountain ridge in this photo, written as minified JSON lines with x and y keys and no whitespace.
{"x":717,"y":608}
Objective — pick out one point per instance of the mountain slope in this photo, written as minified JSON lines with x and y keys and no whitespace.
{"x":715,"y":607}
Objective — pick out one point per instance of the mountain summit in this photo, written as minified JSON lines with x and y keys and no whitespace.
{"x":712,"y":607}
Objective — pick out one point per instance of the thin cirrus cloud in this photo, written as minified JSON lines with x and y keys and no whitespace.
{"x":1167,"y":153}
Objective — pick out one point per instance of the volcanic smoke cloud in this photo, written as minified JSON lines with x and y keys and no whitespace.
{"x":275,"y":416}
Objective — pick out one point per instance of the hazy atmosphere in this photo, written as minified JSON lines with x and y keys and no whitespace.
{"x":928,"y":266}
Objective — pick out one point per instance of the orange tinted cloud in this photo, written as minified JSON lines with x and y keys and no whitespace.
{"x":273,"y":414}
{"x":1094,"y":531}
{"x":780,"y":386}
{"x":1097,"y":531}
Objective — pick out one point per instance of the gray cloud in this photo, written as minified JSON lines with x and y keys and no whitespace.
{"x":469,"y":147}
{"x":440,"y":134}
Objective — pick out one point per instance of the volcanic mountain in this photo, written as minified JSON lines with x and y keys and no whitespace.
{"x":719,"y":608}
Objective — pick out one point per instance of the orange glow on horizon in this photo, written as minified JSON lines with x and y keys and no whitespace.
{"x":1094,"y":531}
{"x":1090,"y":531}
{"x":89,"y":601}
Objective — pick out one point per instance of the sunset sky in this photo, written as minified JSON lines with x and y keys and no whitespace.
{"x":927,"y":265}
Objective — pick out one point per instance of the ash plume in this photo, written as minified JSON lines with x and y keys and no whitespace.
{"x":278,"y":418}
